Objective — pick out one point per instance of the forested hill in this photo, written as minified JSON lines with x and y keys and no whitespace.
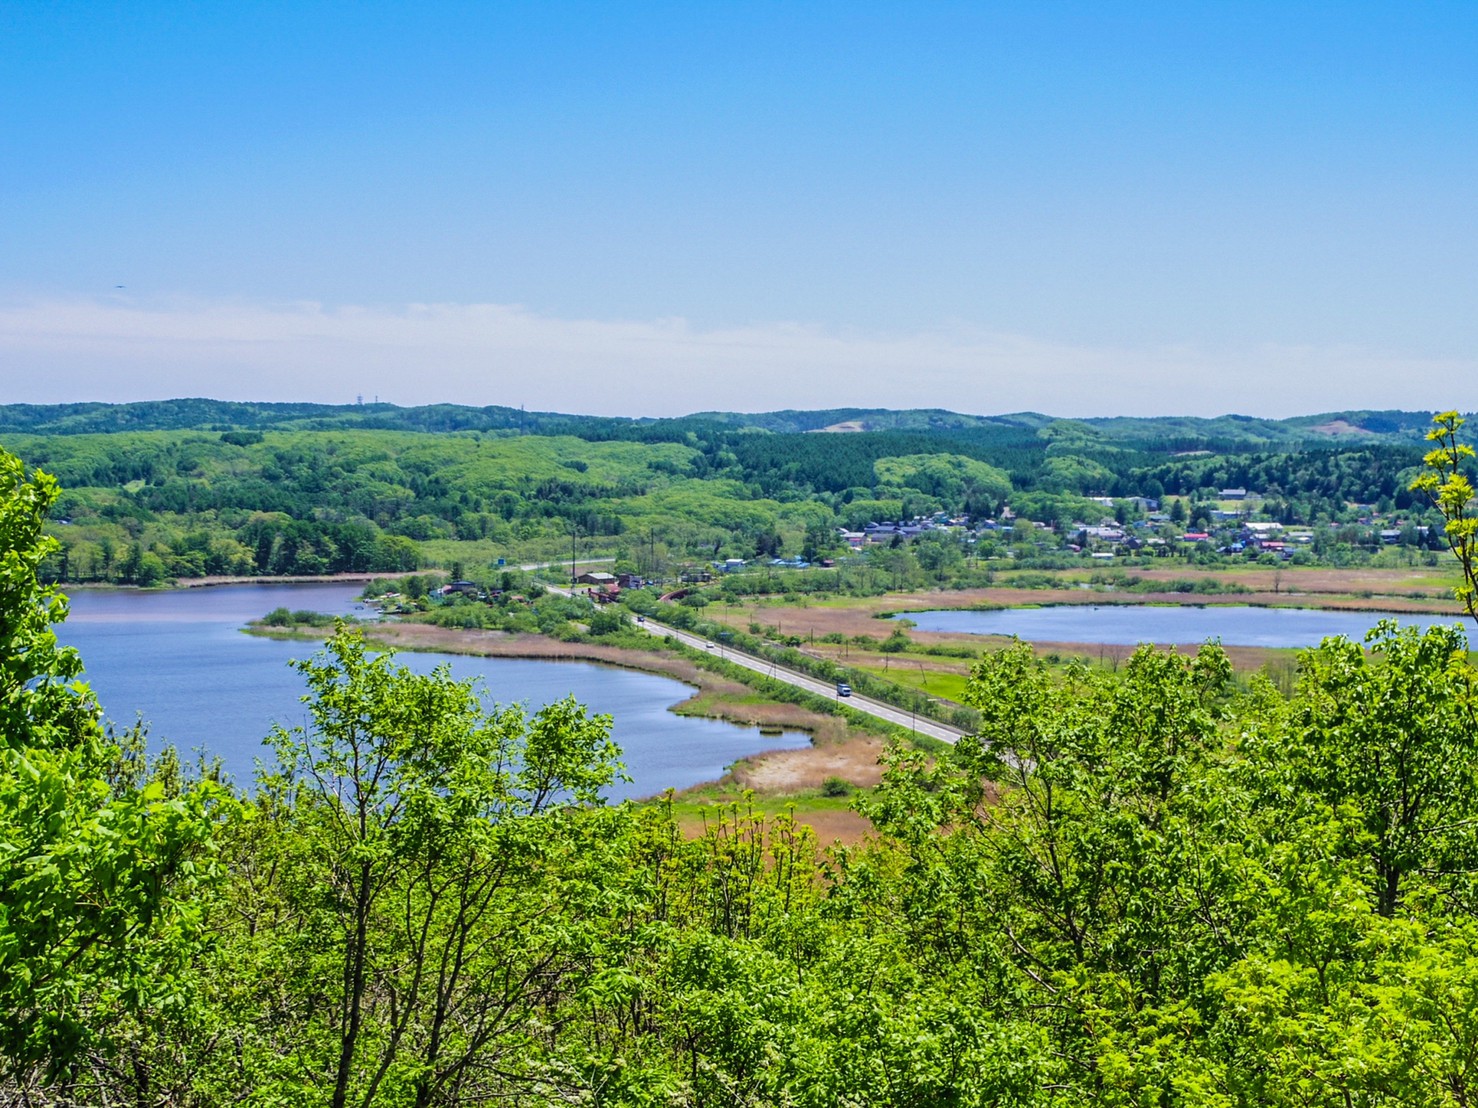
{"x":1223,"y":433}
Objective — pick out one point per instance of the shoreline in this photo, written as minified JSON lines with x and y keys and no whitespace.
{"x":314,"y":579}
{"x":835,"y":748}
{"x":177,"y":584}
{"x":1390,"y":606}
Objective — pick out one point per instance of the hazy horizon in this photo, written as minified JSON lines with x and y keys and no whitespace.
{"x":375,"y":401}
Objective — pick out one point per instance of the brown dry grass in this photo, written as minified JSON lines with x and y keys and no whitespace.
{"x":833,"y":826}
{"x":1323,"y":581}
{"x":836,"y":751}
{"x":786,"y":772}
{"x":501,"y":644}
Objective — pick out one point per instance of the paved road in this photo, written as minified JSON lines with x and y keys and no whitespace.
{"x":876,"y":708}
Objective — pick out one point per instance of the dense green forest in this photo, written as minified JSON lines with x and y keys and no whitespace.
{"x":1156,"y":886}
{"x":194,"y":487}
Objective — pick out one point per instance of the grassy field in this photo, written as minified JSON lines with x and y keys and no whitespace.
{"x":941,"y":680}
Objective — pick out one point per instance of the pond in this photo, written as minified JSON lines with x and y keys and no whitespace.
{"x":178,"y":660}
{"x":1128,"y":624}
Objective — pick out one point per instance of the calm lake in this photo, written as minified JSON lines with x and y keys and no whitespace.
{"x":180,"y":660}
{"x":1129,"y":624}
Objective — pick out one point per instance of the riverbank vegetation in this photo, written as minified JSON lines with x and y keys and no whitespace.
{"x":843,"y":742}
{"x":1150,"y":886}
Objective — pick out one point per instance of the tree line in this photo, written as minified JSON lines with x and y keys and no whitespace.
{"x":141,"y":506}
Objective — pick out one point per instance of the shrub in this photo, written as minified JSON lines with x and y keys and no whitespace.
{"x":608,"y":621}
{"x":281,"y":617}
{"x":896,"y":643}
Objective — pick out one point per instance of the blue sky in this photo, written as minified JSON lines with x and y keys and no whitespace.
{"x":651,"y":209}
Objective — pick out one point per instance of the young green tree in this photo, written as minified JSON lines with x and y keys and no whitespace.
{"x":1452,"y":492}
{"x":432,"y":868}
{"x":100,"y":877}
{"x":1384,"y":732}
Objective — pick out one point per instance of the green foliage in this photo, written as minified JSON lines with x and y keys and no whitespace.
{"x":896,"y":643}
{"x":242,"y":438}
{"x":609,"y":620}
{"x":282,"y":617}
{"x":1447,"y":484}
{"x":962,"y":483}
{"x":1200,"y":896}
{"x":1387,"y":733}
{"x":100,"y":872}
{"x":1071,"y":473}
{"x":1143,"y":887}
{"x":306,"y":490}
{"x":438,"y":832}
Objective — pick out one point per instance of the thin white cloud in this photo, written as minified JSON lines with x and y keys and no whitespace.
{"x":122,"y":349}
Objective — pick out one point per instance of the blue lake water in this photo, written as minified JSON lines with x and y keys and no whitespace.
{"x":179,"y":660}
{"x":1131,"y":624}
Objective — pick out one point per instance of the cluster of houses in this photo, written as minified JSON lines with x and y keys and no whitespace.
{"x":879,"y":534}
{"x":1229,"y":530}
{"x":1108,"y":538}
{"x":605,"y":588}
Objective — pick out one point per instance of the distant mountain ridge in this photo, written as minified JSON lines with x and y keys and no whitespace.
{"x":1221,"y":432}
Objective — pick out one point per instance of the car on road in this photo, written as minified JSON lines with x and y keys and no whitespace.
{"x":708,"y":646}
{"x":641,"y":618}
{"x":844,"y":689}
